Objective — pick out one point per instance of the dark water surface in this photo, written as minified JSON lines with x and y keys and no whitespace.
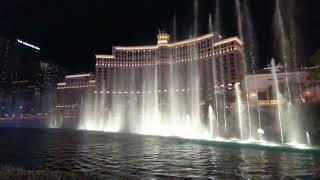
{"x":136,"y":156}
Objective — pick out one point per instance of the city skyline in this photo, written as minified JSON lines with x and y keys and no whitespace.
{"x":76,"y":31}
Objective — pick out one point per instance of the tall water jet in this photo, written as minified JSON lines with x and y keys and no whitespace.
{"x":216,"y":28}
{"x":210,"y":25}
{"x":279,"y":98}
{"x":217,"y":17}
{"x":216,"y":90}
{"x":240,"y":33}
{"x":151,"y":120}
{"x":174,"y":99}
{"x":283,"y":42}
{"x":55,"y":120}
{"x":250,"y":38}
{"x":222,"y":89}
{"x":195,"y":17}
{"x":239,"y":108}
{"x":133,"y":101}
{"x":194,"y":84}
{"x":116,"y":123}
{"x":212,"y":118}
{"x":225,"y":109}
{"x":174,"y":28}
{"x":293,"y":39}
{"x":252,"y":53}
{"x":294,"y":131}
{"x":239,"y":19}
{"x":308,"y":138}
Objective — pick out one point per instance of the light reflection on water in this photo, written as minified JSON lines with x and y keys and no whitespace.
{"x":133,"y":155}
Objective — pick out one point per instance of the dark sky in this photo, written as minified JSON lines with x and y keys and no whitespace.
{"x":70,"y":32}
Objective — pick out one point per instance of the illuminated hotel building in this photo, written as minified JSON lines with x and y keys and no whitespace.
{"x":71,"y":93}
{"x":155,"y":89}
{"x":209,"y":60}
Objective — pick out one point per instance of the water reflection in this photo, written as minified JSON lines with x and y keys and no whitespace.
{"x":133,"y":156}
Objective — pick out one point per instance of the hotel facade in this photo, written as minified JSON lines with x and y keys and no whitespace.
{"x":197,"y":64}
{"x":153,"y":88}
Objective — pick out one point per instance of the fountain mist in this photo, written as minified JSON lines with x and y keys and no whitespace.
{"x":239,"y":109}
{"x":212,"y":118}
{"x":245,"y":69}
{"x":185,"y":97}
{"x":279,"y":98}
{"x":217,"y":17}
{"x":294,"y":92}
{"x":174,"y":28}
{"x":195,"y":18}
{"x":279,"y":28}
{"x":210,"y":25}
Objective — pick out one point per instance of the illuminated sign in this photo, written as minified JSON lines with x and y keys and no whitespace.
{"x":27,"y":44}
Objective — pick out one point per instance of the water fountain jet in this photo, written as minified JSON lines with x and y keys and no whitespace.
{"x":239,"y":108}
{"x":279,"y":98}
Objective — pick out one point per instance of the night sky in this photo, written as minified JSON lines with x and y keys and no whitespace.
{"x":70,"y":32}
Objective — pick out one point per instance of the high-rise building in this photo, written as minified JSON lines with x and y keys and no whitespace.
{"x":26,"y":79}
{"x":24,"y":98}
{"x":71,"y":94}
{"x":49,"y":74}
{"x":4,"y":59}
{"x":4,"y":72}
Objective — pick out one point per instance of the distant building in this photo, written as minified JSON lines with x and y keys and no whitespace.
{"x":6,"y":57}
{"x":71,"y":95}
{"x":49,"y":74}
{"x":25,"y":97}
{"x":261,"y":85}
{"x":4,"y":60}
{"x":26,"y":78}
{"x":312,"y":93}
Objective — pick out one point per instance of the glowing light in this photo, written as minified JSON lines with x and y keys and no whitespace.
{"x":78,"y":76}
{"x":253,"y":95}
{"x":260,"y":131}
{"x":27,"y":44}
{"x":61,"y":84}
{"x":102,"y":56}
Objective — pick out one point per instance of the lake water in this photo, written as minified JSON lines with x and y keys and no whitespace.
{"x":145,"y":156}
